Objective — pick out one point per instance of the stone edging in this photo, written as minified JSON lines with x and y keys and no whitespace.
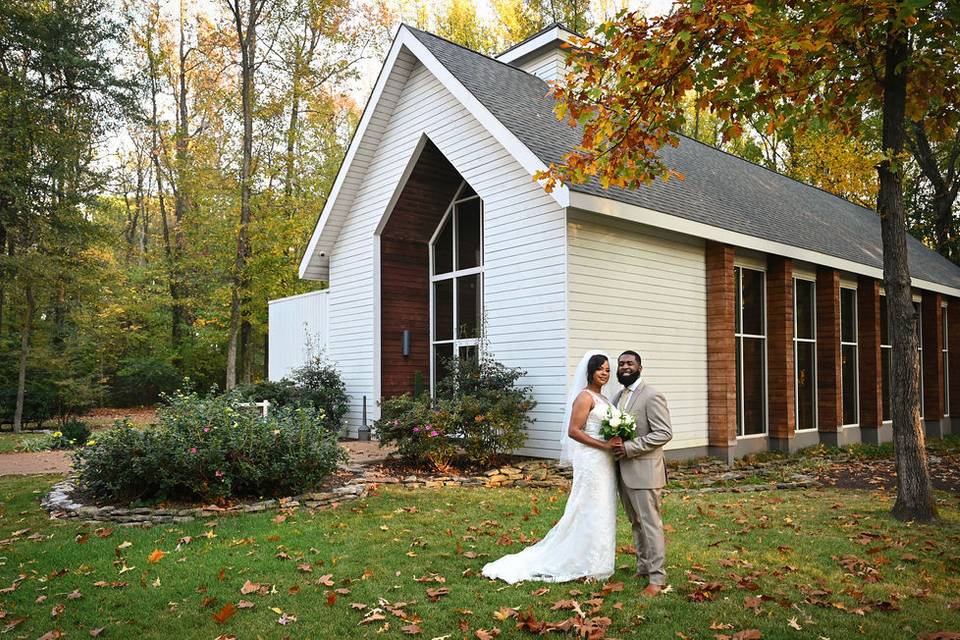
{"x":60,"y":504}
{"x":532,"y":474}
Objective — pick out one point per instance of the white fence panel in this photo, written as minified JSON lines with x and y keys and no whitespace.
{"x":298,"y":331}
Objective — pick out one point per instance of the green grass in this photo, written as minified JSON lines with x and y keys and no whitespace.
{"x":10,"y":442}
{"x":779,"y":541}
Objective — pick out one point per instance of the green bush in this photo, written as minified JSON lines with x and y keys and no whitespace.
{"x":208,"y":448}
{"x":478,"y":408}
{"x":76,"y":431}
{"x":316,"y":384}
{"x":141,"y":380}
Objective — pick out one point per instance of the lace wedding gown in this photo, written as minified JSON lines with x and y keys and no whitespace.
{"x":583,"y":543}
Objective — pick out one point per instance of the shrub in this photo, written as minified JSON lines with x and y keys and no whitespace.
{"x":143,"y":379}
{"x":208,"y":448}
{"x":76,"y":431}
{"x":317,"y":384}
{"x":478,"y":408}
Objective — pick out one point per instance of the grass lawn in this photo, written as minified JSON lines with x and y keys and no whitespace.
{"x":9,"y":442}
{"x":832,"y":562}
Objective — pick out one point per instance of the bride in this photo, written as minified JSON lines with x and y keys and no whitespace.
{"x":583,"y":543}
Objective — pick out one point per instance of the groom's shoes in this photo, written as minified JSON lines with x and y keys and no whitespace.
{"x":652,"y":590}
{"x":640,"y":574}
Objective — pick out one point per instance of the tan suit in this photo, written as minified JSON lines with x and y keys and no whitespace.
{"x":642,"y":476}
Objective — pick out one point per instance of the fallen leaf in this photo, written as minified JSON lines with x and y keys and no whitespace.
{"x":411,"y":629}
{"x":156,"y":556}
{"x":225,"y":613}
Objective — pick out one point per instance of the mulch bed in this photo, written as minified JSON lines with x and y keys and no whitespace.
{"x":881,"y":474}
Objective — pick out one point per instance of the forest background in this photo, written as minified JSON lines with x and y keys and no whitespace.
{"x":163,"y":163}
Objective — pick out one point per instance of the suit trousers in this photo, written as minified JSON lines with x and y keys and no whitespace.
{"x":643,"y":511}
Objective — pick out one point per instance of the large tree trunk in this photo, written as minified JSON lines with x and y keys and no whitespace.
{"x":914,"y":490}
{"x":247,"y":39}
{"x":24,"y":351}
{"x":177,"y":282}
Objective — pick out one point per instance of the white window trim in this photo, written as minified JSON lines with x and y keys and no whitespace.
{"x":796,"y":381}
{"x":889,"y":347}
{"x":766,"y":394}
{"x":855,"y":345}
{"x":919,"y":311}
{"x":945,"y":350}
{"x":457,"y":343}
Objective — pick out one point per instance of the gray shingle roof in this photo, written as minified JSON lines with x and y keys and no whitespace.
{"x":720,"y":189}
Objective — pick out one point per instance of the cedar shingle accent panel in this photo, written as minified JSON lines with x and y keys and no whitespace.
{"x":829,"y":391}
{"x":871,"y":375}
{"x":932,"y":356}
{"x":780,"y":363}
{"x":953,"y":345}
{"x":721,"y":346}
{"x":405,"y":270}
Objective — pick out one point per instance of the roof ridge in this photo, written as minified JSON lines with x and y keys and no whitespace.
{"x":539,"y":33}
{"x":476,"y":53}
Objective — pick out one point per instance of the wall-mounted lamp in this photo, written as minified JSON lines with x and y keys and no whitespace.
{"x":406,"y":343}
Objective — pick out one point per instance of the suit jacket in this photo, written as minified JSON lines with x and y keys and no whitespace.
{"x":642,"y":467}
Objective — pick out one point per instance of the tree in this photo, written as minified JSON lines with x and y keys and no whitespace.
{"x":795,"y":62}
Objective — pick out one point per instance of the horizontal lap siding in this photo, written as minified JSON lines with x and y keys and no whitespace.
{"x":298,"y":331}
{"x":524,"y":300}
{"x":636,"y":287}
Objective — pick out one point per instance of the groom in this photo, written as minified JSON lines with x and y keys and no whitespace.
{"x":642,"y":473}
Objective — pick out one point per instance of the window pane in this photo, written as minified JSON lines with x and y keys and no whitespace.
{"x":443,"y":249}
{"x":916,"y":324}
{"x":806,"y":386}
{"x":468,"y":352}
{"x":468,"y":234}
{"x":752,"y":302}
{"x":443,"y":310}
{"x":736,"y":293}
{"x":804,"y":308}
{"x":739,"y":388}
{"x":754,"y":402}
{"x":943,"y":326}
{"x":885,"y":373}
{"x":946,"y":383}
{"x":849,"y":372}
{"x":884,"y":322}
{"x":441,"y":356}
{"x":467,"y":192}
{"x":848,"y":315}
{"x":468,"y":306}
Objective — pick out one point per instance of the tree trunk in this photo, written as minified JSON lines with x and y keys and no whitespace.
{"x":177,"y":283}
{"x":914,"y":489}
{"x":246,"y":343}
{"x":3,"y":246}
{"x":24,"y":350}
{"x":247,"y":39}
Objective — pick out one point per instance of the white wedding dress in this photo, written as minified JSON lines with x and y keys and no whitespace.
{"x":583,"y":543}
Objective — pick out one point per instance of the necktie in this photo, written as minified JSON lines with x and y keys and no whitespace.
{"x":623,"y":398}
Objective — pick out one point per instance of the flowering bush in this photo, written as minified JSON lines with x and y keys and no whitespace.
{"x":74,"y":433}
{"x":316,"y":384}
{"x":478,"y":409}
{"x":208,"y":448}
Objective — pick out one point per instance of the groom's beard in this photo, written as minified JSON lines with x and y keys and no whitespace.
{"x":627,"y":379}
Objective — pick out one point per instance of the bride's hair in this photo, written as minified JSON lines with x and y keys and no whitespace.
{"x":594,"y":364}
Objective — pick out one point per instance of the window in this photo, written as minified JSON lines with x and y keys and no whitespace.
{"x":946,"y":361}
{"x":456,"y":282}
{"x":751,"y":331}
{"x":886,"y":349}
{"x":848,"y":355}
{"x":805,"y":353}
{"x":918,"y":329}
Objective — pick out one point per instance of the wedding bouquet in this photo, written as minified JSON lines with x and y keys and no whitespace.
{"x":618,"y":423}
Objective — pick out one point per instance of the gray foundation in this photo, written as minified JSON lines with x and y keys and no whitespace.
{"x":877,"y":436}
{"x":800,"y":440}
{"x":937,"y":428}
{"x":843,"y":437}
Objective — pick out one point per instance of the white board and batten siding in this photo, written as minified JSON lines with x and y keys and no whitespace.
{"x":637,"y":287}
{"x":524,"y":257}
{"x":298,"y":331}
{"x":547,"y":66}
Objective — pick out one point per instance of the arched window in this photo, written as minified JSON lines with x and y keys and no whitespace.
{"x":456,"y":282}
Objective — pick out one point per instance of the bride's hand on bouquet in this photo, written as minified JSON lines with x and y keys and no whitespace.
{"x":615,"y":445}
